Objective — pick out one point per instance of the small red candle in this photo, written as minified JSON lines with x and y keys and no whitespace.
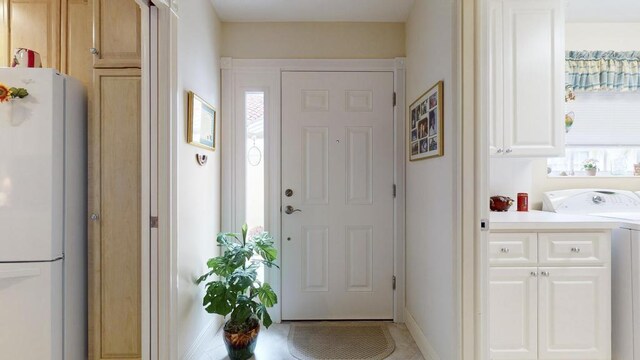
{"x":523,"y":202}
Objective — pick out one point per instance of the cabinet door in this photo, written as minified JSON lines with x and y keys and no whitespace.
{"x":513,"y":294}
{"x":35,"y":24}
{"x":115,"y":195}
{"x":533,"y":41}
{"x":117,"y":36}
{"x":574,"y":313}
{"x":77,"y":39}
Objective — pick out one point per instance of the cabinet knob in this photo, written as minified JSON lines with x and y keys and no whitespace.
{"x":544,"y":273}
{"x":94,"y":51}
{"x":575,"y":250}
{"x":504,"y":250}
{"x":534,"y":274}
{"x":499,"y":151}
{"x":508,"y":151}
{"x":94,"y":217}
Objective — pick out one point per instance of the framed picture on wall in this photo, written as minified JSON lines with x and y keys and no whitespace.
{"x":201,"y":122}
{"x":426,"y":128}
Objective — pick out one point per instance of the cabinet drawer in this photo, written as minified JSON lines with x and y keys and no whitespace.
{"x":574,"y":248}
{"x":513,"y":248}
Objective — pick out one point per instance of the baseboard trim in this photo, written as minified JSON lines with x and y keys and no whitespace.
{"x":203,"y":339}
{"x":418,"y":336}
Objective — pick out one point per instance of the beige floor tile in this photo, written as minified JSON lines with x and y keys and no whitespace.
{"x":272,"y":345}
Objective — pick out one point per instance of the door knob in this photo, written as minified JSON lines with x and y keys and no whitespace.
{"x":290,"y":210}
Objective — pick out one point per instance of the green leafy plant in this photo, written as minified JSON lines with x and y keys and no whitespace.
{"x":237,"y":291}
{"x":590,"y":164}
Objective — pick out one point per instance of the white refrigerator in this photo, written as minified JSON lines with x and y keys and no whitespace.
{"x":43,"y":206}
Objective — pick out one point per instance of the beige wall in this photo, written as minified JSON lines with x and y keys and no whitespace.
{"x":603,"y":36}
{"x":199,"y":42}
{"x":318,"y":40}
{"x":431,"y":186}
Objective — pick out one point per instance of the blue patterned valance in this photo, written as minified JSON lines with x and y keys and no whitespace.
{"x":603,"y":70}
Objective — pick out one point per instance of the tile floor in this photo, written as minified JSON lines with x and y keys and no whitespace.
{"x":272,"y":345}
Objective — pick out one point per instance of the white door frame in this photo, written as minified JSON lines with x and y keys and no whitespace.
{"x":231,"y":70}
{"x":162,"y":282}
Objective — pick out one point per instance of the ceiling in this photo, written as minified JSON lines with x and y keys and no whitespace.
{"x":603,"y":11}
{"x":314,"y":10}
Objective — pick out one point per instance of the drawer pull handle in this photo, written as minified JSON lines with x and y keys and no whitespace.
{"x":575,"y":250}
{"x":504,"y":250}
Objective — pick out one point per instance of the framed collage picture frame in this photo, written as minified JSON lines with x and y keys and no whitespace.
{"x":426,"y":127}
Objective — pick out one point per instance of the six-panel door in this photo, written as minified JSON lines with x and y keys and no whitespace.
{"x":513,"y":313}
{"x":337,"y":160}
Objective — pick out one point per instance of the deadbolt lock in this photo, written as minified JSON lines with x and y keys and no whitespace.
{"x":288,"y":193}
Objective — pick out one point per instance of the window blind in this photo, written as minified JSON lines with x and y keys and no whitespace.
{"x":605,"y":119}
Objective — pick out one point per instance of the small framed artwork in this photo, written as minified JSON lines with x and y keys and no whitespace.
{"x":201,"y":122}
{"x":427,"y":124}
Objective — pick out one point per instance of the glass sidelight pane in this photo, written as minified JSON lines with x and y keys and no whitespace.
{"x":254,"y":164}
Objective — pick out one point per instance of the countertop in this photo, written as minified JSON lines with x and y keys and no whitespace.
{"x":544,"y":220}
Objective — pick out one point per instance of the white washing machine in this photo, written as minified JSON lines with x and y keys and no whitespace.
{"x":624,"y":206}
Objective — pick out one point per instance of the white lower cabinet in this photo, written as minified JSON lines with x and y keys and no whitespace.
{"x":514,"y":313}
{"x":574,"y":313}
{"x":560,"y":312}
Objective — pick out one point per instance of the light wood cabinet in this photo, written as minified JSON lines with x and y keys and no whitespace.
{"x":115,"y":199}
{"x":550,"y":312}
{"x":526,"y":81}
{"x":33,"y":24}
{"x":117,"y":37}
{"x":76,"y":40}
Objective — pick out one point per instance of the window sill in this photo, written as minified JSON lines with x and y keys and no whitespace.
{"x":593,"y":177}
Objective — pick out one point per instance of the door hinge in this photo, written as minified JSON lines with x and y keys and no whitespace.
{"x":394,"y":99}
{"x":154,"y":222}
{"x":393,"y":282}
{"x":394,"y":190}
{"x":484,"y":225}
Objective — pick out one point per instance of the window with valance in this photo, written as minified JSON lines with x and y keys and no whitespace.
{"x":602,"y":71}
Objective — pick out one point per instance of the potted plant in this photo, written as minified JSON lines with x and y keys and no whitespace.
{"x":590,"y":166}
{"x":236,"y":291}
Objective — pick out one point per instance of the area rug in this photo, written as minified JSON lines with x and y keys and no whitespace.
{"x":340,"y":341}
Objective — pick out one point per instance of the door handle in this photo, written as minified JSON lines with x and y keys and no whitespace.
{"x":290,"y":210}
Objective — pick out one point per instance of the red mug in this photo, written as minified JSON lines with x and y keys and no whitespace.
{"x":523,"y":202}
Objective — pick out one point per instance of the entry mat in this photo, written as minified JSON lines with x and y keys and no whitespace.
{"x":340,"y":341}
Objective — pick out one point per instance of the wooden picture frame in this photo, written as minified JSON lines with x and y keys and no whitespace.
{"x":201,"y":122}
{"x":426,"y":124}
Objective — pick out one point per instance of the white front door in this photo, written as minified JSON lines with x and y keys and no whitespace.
{"x":337,"y":169}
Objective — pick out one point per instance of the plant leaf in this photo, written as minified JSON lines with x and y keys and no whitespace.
{"x":242,"y":279}
{"x":263,"y":314}
{"x":218,"y":299}
{"x":266,"y":295}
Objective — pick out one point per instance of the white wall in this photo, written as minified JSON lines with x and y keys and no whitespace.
{"x":199,"y":42}
{"x":431,"y":187}
{"x":510,"y":176}
{"x":313,"y":40}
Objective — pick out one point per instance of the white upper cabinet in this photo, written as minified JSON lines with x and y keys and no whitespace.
{"x":526,"y":77}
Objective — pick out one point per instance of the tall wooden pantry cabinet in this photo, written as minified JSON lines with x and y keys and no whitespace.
{"x":99,"y":42}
